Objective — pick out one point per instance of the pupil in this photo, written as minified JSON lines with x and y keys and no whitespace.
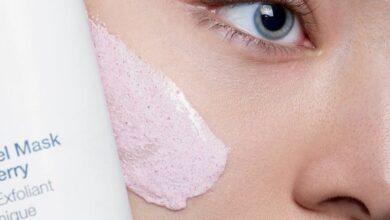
{"x":273,"y":17}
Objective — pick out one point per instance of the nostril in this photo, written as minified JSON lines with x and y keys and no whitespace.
{"x":348,"y":200}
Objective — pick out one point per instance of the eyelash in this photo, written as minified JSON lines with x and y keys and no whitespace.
{"x":206,"y":17}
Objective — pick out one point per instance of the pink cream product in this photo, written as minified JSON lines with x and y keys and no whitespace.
{"x":167,"y":151}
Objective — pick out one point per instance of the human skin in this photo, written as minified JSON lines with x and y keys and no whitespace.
{"x":309,"y":137}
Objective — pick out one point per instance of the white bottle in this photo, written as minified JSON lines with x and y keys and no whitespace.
{"x":57,"y":153}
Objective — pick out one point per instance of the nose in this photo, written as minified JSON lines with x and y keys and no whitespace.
{"x":346,"y":174}
{"x":344,"y":186}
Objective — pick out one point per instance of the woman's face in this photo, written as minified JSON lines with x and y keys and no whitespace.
{"x":305,"y":112}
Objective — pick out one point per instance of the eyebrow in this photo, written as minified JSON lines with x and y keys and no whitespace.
{"x":220,"y":2}
{"x":214,"y":2}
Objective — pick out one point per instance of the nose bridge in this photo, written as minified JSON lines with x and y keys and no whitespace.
{"x":365,"y":83}
{"x":370,"y":60}
{"x":385,"y":97}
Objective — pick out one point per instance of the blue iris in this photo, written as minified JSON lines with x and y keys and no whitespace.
{"x":273,"y":21}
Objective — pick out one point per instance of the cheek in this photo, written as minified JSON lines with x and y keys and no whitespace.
{"x":168,"y":153}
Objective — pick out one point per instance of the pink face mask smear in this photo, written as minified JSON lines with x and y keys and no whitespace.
{"x":168,"y":153}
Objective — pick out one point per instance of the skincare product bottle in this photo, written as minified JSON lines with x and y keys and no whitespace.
{"x":58,"y":159}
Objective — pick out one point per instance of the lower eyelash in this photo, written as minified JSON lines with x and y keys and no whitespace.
{"x":207,"y":18}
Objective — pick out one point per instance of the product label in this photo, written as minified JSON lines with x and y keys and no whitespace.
{"x":20,"y":152}
{"x":20,"y":194}
{"x":24,"y":149}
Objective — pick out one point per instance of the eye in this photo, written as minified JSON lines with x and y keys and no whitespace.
{"x":269,"y":22}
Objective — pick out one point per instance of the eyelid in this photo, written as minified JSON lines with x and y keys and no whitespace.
{"x":302,"y":5}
